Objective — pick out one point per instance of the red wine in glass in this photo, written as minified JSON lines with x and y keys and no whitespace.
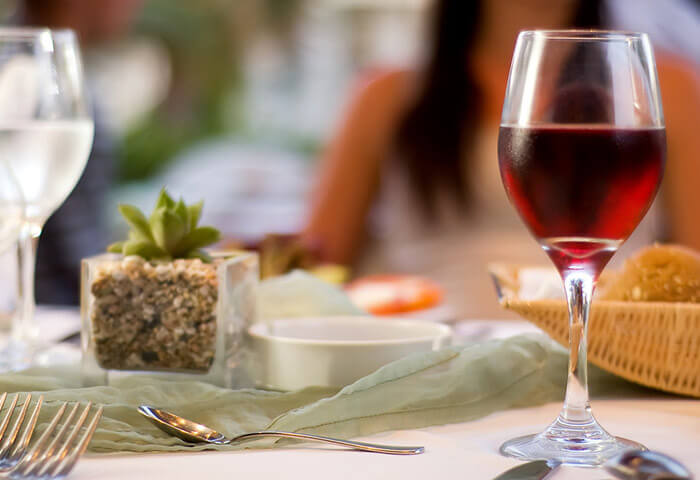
{"x":581,"y":152}
{"x":581,"y":189}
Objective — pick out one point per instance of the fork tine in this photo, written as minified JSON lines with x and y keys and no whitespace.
{"x":4,"y":444}
{"x":21,"y":446}
{"x":52,"y":462}
{"x":8,"y":415}
{"x":61,"y":431}
{"x":43,"y":457}
{"x":17,"y":425}
{"x":27,"y":463}
{"x":76,"y":429}
{"x":67,"y":465}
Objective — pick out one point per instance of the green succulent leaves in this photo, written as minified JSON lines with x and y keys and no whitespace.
{"x":170,"y":232}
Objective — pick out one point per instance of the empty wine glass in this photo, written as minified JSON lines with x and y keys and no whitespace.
{"x":45,"y":137}
{"x":581,"y":149}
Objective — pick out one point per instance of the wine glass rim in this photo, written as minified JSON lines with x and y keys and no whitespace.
{"x":585,"y":34}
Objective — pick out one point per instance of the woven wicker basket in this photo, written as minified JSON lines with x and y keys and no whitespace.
{"x":653,"y":344}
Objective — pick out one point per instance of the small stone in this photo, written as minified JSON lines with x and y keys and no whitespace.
{"x":119,"y":275}
{"x":146,"y":316}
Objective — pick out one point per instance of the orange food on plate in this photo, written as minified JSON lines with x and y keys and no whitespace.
{"x":392,"y":294}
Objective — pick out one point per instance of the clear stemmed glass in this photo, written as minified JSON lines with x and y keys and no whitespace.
{"x":581,"y":151}
{"x":45,"y":138}
{"x":11,"y":221}
{"x":11,"y":207}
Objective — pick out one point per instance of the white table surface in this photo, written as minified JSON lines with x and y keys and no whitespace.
{"x":461,"y":451}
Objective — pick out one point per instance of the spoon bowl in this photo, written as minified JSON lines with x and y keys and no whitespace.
{"x":181,"y":427}
{"x":646,"y":465}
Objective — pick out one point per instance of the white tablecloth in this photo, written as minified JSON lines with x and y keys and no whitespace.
{"x":459,"y":451}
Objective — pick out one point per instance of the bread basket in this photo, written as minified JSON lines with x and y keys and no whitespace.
{"x":656,"y":344}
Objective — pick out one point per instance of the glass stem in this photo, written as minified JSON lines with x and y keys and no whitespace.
{"x":24,"y":328}
{"x":579,"y":290}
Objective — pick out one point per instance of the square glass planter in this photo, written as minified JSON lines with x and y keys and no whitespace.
{"x":183,"y":319}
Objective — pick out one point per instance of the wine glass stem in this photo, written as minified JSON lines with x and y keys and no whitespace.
{"x":25,"y":328}
{"x":579,"y":290}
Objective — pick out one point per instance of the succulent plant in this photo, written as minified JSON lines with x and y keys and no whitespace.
{"x":170,"y":232}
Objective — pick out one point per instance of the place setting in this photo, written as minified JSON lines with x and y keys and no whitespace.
{"x":226,"y":356}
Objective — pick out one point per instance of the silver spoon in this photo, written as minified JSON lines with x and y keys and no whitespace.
{"x":194,"y":432}
{"x":646,"y":465}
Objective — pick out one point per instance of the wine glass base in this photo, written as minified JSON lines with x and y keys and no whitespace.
{"x":584,"y":444}
{"x":15,"y":355}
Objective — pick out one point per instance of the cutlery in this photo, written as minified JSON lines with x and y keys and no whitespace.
{"x":52,"y":456}
{"x":194,"y":432}
{"x":646,"y":465}
{"x":628,"y":465}
{"x":13,"y":444}
{"x":535,"y":470}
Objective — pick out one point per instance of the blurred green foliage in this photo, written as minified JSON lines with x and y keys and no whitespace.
{"x":206,"y":41}
{"x":205,"y":69}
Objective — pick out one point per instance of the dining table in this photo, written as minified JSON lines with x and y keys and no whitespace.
{"x":469,"y":450}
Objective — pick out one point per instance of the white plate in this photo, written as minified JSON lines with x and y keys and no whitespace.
{"x":336,"y":351}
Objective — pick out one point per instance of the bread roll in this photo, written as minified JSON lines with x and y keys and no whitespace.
{"x":659,"y":273}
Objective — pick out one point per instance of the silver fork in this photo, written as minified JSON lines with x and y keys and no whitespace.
{"x":53,"y":456}
{"x":13,"y":447}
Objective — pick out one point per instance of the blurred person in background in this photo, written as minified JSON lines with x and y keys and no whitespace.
{"x":78,"y":228}
{"x":410,"y":181}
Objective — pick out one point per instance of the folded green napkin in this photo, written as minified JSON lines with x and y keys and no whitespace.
{"x":451,"y":385}
{"x":299,"y":294}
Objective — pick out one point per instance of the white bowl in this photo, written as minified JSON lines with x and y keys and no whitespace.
{"x":336,"y":351}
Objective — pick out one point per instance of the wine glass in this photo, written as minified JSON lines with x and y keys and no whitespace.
{"x":581,"y":150}
{"x":11,"y":206}
{"x":11,"y":221}
{"x":45,"y":138}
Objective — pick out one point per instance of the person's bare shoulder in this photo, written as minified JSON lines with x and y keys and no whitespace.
{"x":680,"y":91}
{"x":386,"y":82}
{"x":382,"y":95}
{"x":678,"y":78}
